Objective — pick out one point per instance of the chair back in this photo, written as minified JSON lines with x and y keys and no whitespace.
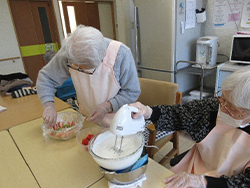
{"x":156,"y":92}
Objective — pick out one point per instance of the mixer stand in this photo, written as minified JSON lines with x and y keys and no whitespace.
{"x":135,"y":184}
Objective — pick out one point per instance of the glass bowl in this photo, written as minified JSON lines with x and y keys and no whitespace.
{"x":101,"y":147}
{"x":68,"y":124}
{"x":84,"y":136}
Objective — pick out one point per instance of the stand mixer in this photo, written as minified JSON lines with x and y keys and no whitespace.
{"x":123,"y":124}
{"x":121,"y":167}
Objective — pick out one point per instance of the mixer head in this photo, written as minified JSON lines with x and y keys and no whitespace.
{"x":123,"y":124}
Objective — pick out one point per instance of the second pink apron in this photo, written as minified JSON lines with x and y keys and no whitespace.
{"x":225,"y":150}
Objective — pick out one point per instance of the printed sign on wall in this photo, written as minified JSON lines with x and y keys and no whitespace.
{"x":227,"y":13}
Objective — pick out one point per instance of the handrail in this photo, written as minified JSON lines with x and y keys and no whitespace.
{"x":12,"y":58}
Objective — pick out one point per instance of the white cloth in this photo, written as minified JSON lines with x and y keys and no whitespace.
{"x":2,"y":108}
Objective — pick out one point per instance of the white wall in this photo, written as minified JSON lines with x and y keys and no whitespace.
{"x":9,"y":45}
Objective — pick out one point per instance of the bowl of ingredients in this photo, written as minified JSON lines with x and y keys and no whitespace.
{"x":116,"y":154}
{"x":84,"y":136}
{"x":68,"y":124}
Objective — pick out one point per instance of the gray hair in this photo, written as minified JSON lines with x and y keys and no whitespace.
{"x":239,"y":85}
{"x":86,"y":46}
{"x":48,"y":55}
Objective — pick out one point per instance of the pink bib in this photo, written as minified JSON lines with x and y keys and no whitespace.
{"x":225,"y":150}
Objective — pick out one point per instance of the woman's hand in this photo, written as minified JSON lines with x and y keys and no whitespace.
{"x":185,"y":180}
{"x":49,"y":114}
{"x":99,"y":113}
{"x":145,"y":111}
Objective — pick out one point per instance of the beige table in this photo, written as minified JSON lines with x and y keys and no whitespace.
{"x":62,"y":164}
{"x":13,"y":170}
{"x":54,"y":163}
{"x":23,"y":109}
{"x":155,"y":175}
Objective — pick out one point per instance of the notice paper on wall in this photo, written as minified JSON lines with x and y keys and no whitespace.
{"x":190,"y":14}
{"x":2,"y":108}
{"x":245,"y":21}
{"x":227,"y":13}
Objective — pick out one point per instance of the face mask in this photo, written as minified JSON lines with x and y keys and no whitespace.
{"x":231,"y":121}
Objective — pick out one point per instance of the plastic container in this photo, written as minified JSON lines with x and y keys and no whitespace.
{"x":67,"y":130}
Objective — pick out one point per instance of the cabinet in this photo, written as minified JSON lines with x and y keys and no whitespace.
{"x":226,"y":69}
{"x":196,"y":68}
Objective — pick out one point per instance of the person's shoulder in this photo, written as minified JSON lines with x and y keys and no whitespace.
{"x":107,"y":40}
{"x":210,"y":101}
{"x":61,"y":51}
{"x":124,"y":46}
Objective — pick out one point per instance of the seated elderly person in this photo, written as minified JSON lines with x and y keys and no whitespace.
{"x":220,"y":127}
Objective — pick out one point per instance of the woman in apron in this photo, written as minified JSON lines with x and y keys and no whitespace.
{"x":103,"y":73}
{"x":221,"y":155}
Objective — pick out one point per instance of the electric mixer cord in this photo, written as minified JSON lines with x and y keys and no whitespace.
{"x":152,"y":146}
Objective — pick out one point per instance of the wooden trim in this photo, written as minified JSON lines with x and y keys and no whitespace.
{"x":178,"y":99}
{"x":53,"y":14}
{"x":11,"y":58}
{"x":33,"y":0}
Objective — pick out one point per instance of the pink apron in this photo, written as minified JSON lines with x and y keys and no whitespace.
{"x":225,"y":150}
{"x":93,"y":90}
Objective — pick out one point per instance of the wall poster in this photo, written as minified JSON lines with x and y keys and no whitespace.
{"x":245,"y":18}
{"x":227,"y":13}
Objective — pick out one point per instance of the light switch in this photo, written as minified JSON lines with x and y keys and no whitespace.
{"x":181,"y":8}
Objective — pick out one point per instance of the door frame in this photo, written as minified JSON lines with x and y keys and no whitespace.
{"x":113,"y":5}
{"x":54,"y":23}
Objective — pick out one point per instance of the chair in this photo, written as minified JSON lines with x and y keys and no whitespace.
{"x":67,"y":93}
{"x":66,"y":90}
{"x":155,"y":92}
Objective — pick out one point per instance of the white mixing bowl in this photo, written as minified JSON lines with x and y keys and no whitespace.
{"x":101,"y":149}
